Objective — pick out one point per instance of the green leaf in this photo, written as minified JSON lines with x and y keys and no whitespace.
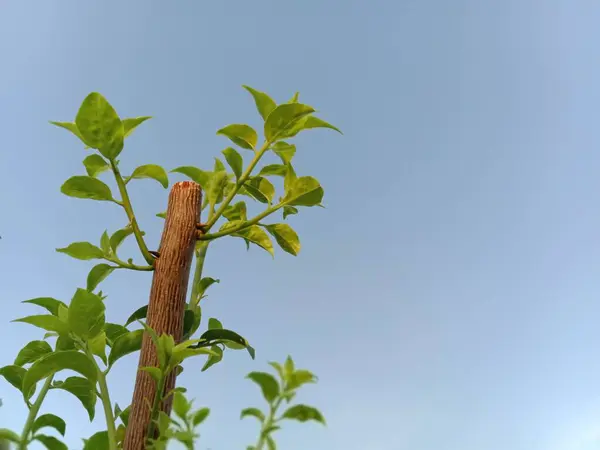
{"x":65,"y":342}
{"x":289,"y":367}
{"x":86,"y":314}
{"x":57,"y":361}
{"x":32,"y":352}
{"x":304,"y":413}
{"x":299,"y":377}
{"x":312,"y":122}
{"x":305,"y":191}
{"x":236,"y":211}
{"x":257,"y":236}
{"x":268,"y":384}
{"x":253,"y":412}
{"x":105,"y":243}
{"x":132,"y":123}
{"x":50,"y":442}
{"x":10,"y":436}
{"x":199,"y":176}
{"x":49,"y":420}
{"x":46,"y":322}
{"x":240,"y":134}
{"x":151,"y":171}
{"x":288,"y":211}
{"x":219,"y":166}
{"x":191,"y":321}
{"x":214,"y":324}
{"x":217,"y":185}
{"x":87,"y":187}
{"x":98,"y":441}
{"x":113,"y":331}
{"x":95,"y":165}
{"x":48,"y":303}
{"x":200,"y":416}
{"x":154,"y":372}
{"x":235,"y":161}
{"x":279,"y":369}
{"x":72,"y":127}
{"x":14,"y":375}
{"x":84,"y":390}
{"x":139,"y":314}
{"x":273,"y":170}
{"x":205,"y":283}
{"x":290,"y":178}
{"x":162,"y":215}
{"x":82,"y":250}
{"x":286,"y":237}
{"x":181,"y":406}
{"x":260,"y":189}
{"x":212,"y":360}
{"x":216,"y":334}
{"x":264,"y":104}
{"x":294,"y":98}
{"x":97,"y":346}
{"x":285,"y":151}
{"x":100,"y":125}
{"x":125,"y":344}
{"x":119,"y":236}
{"x":283,"y":118}
{"x":97,"y":275}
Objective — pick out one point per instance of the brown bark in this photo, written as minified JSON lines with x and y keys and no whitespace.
{"x":167,"y":302}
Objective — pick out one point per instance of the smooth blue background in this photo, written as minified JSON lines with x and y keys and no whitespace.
{"x":448,"y":295}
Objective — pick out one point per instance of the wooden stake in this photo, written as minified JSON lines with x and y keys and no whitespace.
{"x":167,"y":302}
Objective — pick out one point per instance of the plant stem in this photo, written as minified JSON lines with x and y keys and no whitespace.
{"x":129,"y":210}
{"x":246,"y":224}
{"x":267,"y":423}
{"x":155,"y":406}
{"x":259,"y":154}
{"x":33,"y":411}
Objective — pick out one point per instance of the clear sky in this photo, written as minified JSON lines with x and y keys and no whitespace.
{"x":448,"y":297}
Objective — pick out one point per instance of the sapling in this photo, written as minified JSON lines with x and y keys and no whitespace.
{"x":78,"y":337}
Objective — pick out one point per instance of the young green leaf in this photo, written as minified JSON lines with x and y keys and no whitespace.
{"x":305,"y":191}
{"x":97,"y":346}
{"x":288,"y":211}
{"x":283,"y":118}
{"x":46,"y":322}
{"x":285,"y":151}
{"x":191,"y":320}
{"x":125,"y":344}
{"x":72,"y":127}
{"x":253,"y":412}
{"x":217,"y":184}
{"x":257,"y":236}
{"x":100,"y":125}
{"x":33,"y":351}
{"x":57,"y":361}
{"x":86,"y":314}
{"x":48,"y":303}
{"x":289,"y":367}
{"x":264,"y":104}
{"x":205,"y":283}
{"x":311,"y":122}
{"x":154,"y":372}
{"x":98,"y":441}
{"x":119,"y":236}
{"x":199,"y":176}
{"x":279,"y":369}
{"x":10,"y":436}
{"x":105,"y":244}
{"x":212,"y":360}
{"x":273,"y":170}
{"x":50,"y":442}
{"x":95,"y":165}
{"x":200,"y":416}
{"x":181,"y":406}
{"x":268,"y":384}
{"x":132,"y":123}
{"x":304,"y":413}
{"x":87,"y":187}
{"x":214,"y":324}
{"x":82,"y":250}
{"x":294,"y":98}
{"x":49,"y":420}
{"x":138,"y":314}
{"x":240,"y":134}
{"x":113,"y":331}
{"x":83,"y":389}
{"x":162,"y":215}
{"x":286,"y":237}
{"x":236,"y":211}
{"x":260,"y":189}
{"x":151,"y":171}
{"x":219,"y":166}
{"x":299,"y":377}
{"x":14,"y":375}
{"x":235,"y":161}
{"x":97,"y":275}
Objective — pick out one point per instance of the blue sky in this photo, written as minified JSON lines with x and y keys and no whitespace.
{"x":448,"y":295}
